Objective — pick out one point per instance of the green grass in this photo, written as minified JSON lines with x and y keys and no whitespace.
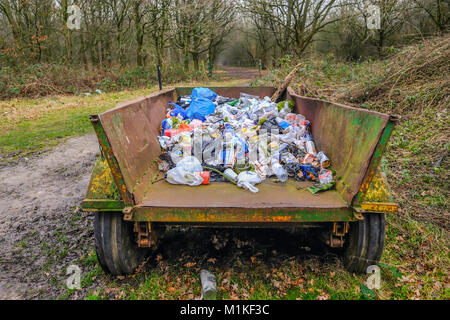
{"x":29,"y":125}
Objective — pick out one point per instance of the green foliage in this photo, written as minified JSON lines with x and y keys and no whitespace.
{"x":367,"y":293}
{"x":38,"y":80}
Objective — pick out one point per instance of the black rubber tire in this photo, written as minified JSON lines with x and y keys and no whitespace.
{"x":117,"y":250}
{"x":364,"y":243}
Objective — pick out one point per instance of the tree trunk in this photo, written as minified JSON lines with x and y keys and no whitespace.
{"x":139,"y":34}
{"x":186,"y":57}
{"x":195,"y":57}
{"x":380,"y":42}
{"x":83,"y":51}
{"x":99,"y":53}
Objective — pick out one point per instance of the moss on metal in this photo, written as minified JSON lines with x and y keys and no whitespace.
{"x":102,"y":185}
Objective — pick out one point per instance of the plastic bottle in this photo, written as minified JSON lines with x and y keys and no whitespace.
{"x":209,"y":285}
{"x":279,"y":171}
{"x":229,"y":173}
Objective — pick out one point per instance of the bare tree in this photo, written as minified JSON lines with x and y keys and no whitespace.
{"x":294,"y":23}
{"x":392,"y":18}
{"x":437,"y":10}
{"x":158,"y":26}
{"x":222,"y":16}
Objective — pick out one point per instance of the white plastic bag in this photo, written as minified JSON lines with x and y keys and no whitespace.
{"x":247,"y":180}
{"x":187,"y":172}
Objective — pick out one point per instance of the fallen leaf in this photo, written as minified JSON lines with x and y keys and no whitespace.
{"x":190,"y":264}
{"x":324,"y":296}
{"x":419,"y":268}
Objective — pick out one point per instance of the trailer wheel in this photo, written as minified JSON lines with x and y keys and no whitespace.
{"x":364,"y":243}
{"x":117,"y":250}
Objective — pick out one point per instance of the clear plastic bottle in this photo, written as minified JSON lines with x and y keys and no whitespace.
{"x":279,"y":171}
{"x":209,"y":285}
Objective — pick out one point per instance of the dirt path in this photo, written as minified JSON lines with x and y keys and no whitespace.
{"x":241,"y":73}
{"x":39,"y":233}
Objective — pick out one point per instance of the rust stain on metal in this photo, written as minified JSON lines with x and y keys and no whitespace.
{"x":111,"y":159}
{"x":281,"y":218}
{"x":349,"y":137}
{"x":375,"y":161}
{"x":387,"y":207}
{"x":240,"y":215}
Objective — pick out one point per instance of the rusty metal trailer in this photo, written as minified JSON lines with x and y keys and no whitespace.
{"x":131,"y":207}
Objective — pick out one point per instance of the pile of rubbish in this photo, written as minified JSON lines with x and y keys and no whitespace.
{"x":206,"y":138}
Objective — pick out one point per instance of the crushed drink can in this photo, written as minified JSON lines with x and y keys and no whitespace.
{"x":308,"y":159}
{"x":323,"y":160}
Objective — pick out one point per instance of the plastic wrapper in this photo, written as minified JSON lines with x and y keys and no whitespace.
{"x":309,"y":172}
{"x":164,"y":142}
{"x":263,"y":170}
{"x":322,"y":187}
{"x":308,"y":159}
{"x":325,"y":176}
